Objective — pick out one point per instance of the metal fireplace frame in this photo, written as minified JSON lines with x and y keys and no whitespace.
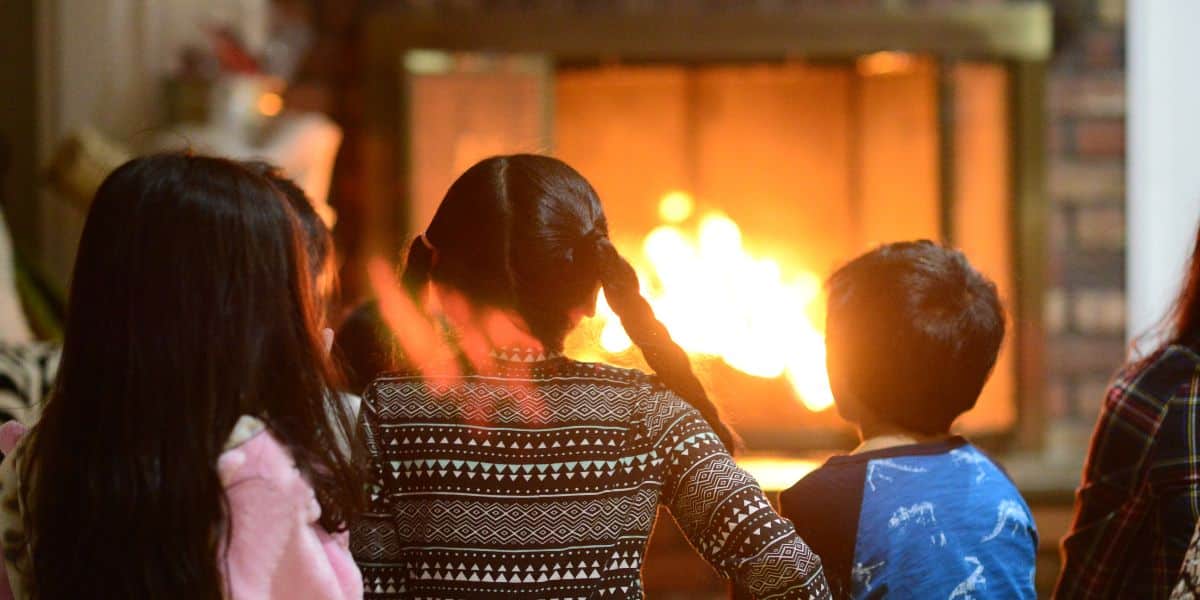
{"x":1017,"y":35}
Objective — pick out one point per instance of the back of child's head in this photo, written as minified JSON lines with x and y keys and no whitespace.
{"x":318,"y":240}
{"x":912,"y":332}
{"x":190,"y":306}
{"x":365,"y":346}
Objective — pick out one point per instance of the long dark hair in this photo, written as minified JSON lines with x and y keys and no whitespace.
{"x":527,"y":233}
{"x":190,"y":305}
{"x":1181,"y":324}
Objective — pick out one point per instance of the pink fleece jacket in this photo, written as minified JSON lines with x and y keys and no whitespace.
{"x":276,"y":548}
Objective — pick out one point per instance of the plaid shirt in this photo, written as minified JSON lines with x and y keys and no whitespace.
{"x":1140,"y":497}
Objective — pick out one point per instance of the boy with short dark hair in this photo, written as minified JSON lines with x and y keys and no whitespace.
{"x":912,"y":334}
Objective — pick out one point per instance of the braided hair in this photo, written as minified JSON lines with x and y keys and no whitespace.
{"x":527,"y":233}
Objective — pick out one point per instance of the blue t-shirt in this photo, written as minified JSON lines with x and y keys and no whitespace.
{"x":936,"y":520}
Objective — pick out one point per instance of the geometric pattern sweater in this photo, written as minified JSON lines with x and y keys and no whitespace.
{"x":541,"y":478}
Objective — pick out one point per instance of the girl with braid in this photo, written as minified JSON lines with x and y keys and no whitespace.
{"x":508,"y":469}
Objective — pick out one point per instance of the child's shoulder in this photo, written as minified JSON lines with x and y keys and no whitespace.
{"x":980,"y":468}
{"x":834,"y":471}
{"x":253,"y":452}
{"x":952,"y":462}
{"x":969,"y":454}
{"x":955,"y":477}
{"x":838,"y":482}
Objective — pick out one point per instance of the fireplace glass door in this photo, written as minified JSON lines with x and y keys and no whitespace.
{"x":736,"y":188}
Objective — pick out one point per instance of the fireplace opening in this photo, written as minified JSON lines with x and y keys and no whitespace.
{"x":736,"y":187}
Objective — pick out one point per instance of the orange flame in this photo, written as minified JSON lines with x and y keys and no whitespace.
{"x":719,"y":299}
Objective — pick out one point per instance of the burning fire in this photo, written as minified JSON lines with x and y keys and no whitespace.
{"x":718,"y":299}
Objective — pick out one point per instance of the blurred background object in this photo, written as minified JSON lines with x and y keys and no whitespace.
{"x":81,"y":162}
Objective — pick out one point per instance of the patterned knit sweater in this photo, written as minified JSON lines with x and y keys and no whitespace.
{"x":541,"y":478}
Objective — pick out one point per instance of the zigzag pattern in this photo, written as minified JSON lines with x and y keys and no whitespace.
{"x":775,"y":575}
{"x":706,"y":486}
{"x":546,"y":482}
{"x":439,"y":572}
{"x":375,"y":539}
{"x":544,"y":572}
{"x":506,"y":405}
{"x":467,"y":523}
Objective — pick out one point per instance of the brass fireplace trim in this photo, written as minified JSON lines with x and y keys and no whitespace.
{"x":1018,"y":35}
{"x":1011,"y":31}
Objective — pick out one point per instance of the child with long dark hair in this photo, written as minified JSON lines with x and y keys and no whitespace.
{"x":188,"y":449}
{"x":509,"y":469}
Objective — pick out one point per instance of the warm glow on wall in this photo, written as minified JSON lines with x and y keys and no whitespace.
{"x":718,"y":299}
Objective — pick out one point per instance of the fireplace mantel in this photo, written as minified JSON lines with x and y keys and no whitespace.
{"x":1020,"y":31}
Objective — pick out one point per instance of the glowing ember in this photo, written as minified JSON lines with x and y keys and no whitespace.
{"x":718,"y":299}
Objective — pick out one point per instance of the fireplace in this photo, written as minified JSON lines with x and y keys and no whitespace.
{"x":740,"y":160}
{"x":742,"y":156}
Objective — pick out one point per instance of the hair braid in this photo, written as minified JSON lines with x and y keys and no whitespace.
{"x":668,"y":360}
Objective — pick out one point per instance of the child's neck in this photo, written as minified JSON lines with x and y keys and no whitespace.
{"x":879,"y":436}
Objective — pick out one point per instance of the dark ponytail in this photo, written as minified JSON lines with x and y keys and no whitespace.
{"x":668,"y":360}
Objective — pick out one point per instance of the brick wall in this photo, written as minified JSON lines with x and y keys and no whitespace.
{"x":1085,"y":302}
